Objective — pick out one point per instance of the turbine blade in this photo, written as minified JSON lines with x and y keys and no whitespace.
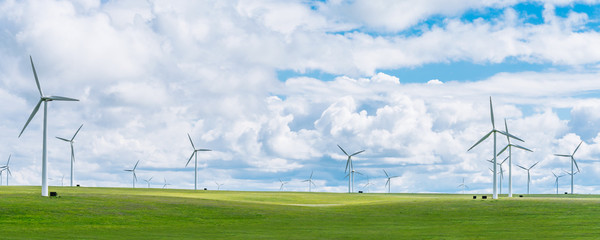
{"x":311,"y":174}
{"x":386,"y":174}
{"x":577,"y":148}
{"x":504,"y":161}
{"x":521,"y":147}
{"x":72,"y":153}
{"x":35,"y":110}
{"x":66,"y":140}
{"x":134,"y":176}
{"x":562,"y":155}
{"x":534,"y":165}
{"x":76,"y":132}
{"x":357,"y":152}
{"x":188,"y":162}
{"x":506,"y":129}
{"x":203,"y":150}
{"x":481,"y":140}
{"x":37,"y":82}
{"x":59,"y":98}
{"x":8,"y":160}
{"x":575,"y":164}
{"x":134,"y":167}
{"x":343,"y":150}
{"x":521,"y":167}
{"x":492,"y":113}
{"x":347,"y":164}
{"x":388,"y":182}
{"x":509,"y":135}
{"x":504,"y":149}
{"x":191,"y":141}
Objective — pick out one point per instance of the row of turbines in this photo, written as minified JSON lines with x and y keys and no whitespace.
{"x":349,"y":169}
{"x":509,"y":147}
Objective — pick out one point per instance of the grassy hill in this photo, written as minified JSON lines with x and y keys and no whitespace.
{"x":117,"y":213}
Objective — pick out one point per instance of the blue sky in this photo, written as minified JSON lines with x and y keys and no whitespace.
{"x":273,"y":86}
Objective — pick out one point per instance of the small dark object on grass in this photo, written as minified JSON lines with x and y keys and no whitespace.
{"x":483,"y":197}
{"x":205,"y":189}
{"x":566,"y":193}
{"x":474,"y":197}
{"x":53,"y":194}
{"x":77,"y":185}
{"x":359,"y":191}
{"x":520,"y":195}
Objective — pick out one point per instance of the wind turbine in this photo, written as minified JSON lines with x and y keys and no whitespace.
{"x":133,"y":171}
{"x":165,"y":185}
{"x":219,"y":185}
{"x":350,"y":169}
{"x":195,"y":155}
{"x":310,"y":181}
{"x":463,"y":186}
{"x":501,"y":171}
{"x":573,"y":162}
{"x":528,"y":175}
{"x":556,"y":181}
{"x":494,"y":131}
{"x":148,"y":181}
{"x":71,"y":141}
{"x":388,"y":183}
{"x":62,"y":181}
{"x":44,"y":99}
{"x":366,"y":186}
{"x":282,"y":184}
{"x":509,"y":146}
{"x":7,"y":169}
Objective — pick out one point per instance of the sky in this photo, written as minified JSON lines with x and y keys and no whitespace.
{"x":273,"y":86}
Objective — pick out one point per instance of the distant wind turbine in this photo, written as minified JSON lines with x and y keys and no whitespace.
{"x":7,"y":169}
{"x":166,"y":184}
{"x":219,"y":185}
{"x":463,"y":186}
{"x":573,"y":162}
{"x":501,"y":171}
{"x":71,"y":141}
{"x":282,"y":184}
{"x":310,"y":181}
{"x":388,"y":183}
{"x":45,"y":100}
{"x":62,"y":181}
{"x":556,"y":180}
{"x":195,"y":156}
{"x":350,"y":168}
{"x":493,"y":131}
{"x":368,"y":184}
{"x":509,"y":146}
{"x":133,"y":171}
{"x":528,"y":175}
{"x":148,"y":181}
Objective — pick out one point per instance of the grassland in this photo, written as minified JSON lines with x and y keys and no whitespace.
{"x":114,"y":213}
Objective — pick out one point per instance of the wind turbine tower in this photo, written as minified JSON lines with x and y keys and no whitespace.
{"x":45,"y":100}
{"x":310,"y":182}
{"x":573,"y":162}
{"x":388,"y":183}
{"x":556,"y":180}
{"x":133,"y":173}
{"x":71,"y":141}
{"x":195,"y":156}
{"x":528,"y":175}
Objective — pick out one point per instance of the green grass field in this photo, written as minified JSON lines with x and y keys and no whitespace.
{"x":117,"y":213}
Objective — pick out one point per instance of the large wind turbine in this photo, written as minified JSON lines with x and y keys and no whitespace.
{"x":388,"y":183}
{"x":528,"y":175}
{"x":310,"y":182}
{"x":573,"y":162}
{"x":44,"y":99}
{"x":71,"y":141}
{"x":509,"y":146}
{"x":350,"y":169}
{"x":556,"y":180}
{"x":195,"y":155}
{"x":493,"y":131}
{"x":133,"y":171}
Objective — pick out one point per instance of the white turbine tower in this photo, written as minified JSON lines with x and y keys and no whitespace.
{"x":166,"y":184}
{"x":282,"y":184}
{"x":133,"y":171}
{"x":310,"y":181}
{"x":350,"y":169}
{"x":195,"y":156}
{"x":148,"y":181}
{"x":7,"y":169}
{"x":556,"y":180}
{"x":45,"y":100}
{"x":573,"y":162}
{"x":493,"y":131}
{"x":528,"y":175}
{"x":509,"y":146}
{"x":463,"y":186}
{"x":71,"y":141}
{"x":388,"y":183}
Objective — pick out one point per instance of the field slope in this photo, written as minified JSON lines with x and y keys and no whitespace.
{"x":116,"y":213}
